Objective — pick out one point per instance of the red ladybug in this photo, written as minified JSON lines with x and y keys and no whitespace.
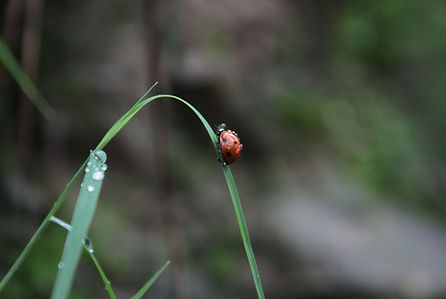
{"x":230,"y":145}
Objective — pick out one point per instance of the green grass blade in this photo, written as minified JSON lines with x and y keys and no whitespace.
{"x":243,"y":230}
{"x":82,"y":217}
{"x":24,"y":81}
{"x":149,"y":283}
{"x":61,"y":199}
{"x":89,"y":249}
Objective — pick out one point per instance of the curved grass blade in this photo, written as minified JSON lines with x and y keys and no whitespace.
{"x":234,"y":196}
{"x":149,"y":283}
{"x":226,"y":170}
{"x":82,"y":217}
{"x":24,"y":81}
{"x":88,"y":246}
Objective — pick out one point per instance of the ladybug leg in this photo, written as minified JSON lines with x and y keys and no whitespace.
{"x":222,"y":163}
{"x":219,"y":159}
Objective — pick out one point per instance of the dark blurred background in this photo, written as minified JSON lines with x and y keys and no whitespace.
{"x":341,"y":109}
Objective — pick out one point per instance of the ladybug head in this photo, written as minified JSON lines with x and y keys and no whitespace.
{"x":220,"y":128}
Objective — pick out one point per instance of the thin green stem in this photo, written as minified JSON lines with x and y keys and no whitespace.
{"x":102,"y":274}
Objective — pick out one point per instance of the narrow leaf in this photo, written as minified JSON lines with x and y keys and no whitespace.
{"x":82,"y":217}
{"x":149,"y":283}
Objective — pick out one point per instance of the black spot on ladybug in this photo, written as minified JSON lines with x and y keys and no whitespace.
{"x":224,"y":140}
{"x":235,"y":142}
{"x":228,"y":154}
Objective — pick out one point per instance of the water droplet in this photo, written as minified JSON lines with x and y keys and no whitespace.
{"x":89,"y":164}
{"x":90,"y":188}
{"x":87,"y":169}
{"x":82,"y":185}
{"x":98,"y":175}
{"x":86,"y":242}
{"x":99,"y":155}
{"x":61,"y":265}
{"x":104,"y":167}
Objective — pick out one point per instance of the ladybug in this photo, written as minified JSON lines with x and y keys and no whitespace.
{"x":230,"y":145}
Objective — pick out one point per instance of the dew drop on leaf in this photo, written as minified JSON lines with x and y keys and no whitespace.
{"x":98,"y":175}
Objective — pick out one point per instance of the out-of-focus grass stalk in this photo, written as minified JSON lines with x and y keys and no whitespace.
{"x":11,"y":64}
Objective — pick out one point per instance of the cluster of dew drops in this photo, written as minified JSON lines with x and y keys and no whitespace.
{"x":98,"y":172}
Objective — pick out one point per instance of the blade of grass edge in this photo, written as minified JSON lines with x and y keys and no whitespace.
{"x":80,"y":223}
{"x":149,"y":283}
{"x":90,"y":252}
{"x":24,"y":81}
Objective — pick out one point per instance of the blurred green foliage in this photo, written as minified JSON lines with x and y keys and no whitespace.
{"x":383,"y":109}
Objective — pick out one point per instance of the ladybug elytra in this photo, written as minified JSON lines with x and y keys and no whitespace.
{"x":230,"y":145}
